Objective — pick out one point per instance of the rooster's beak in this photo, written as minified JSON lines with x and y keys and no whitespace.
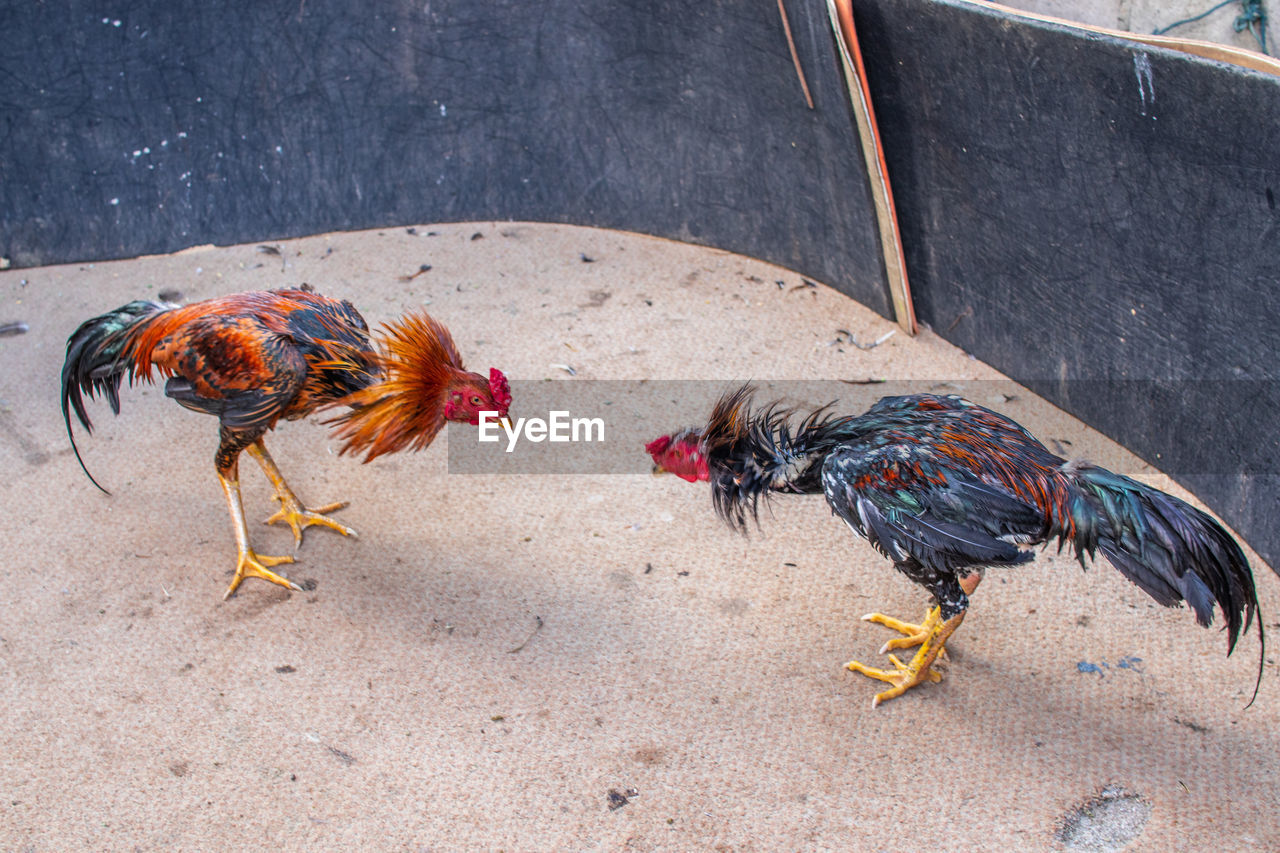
{"x":657,"y":470}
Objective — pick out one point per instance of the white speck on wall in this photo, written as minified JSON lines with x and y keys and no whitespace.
{"x":115,"y":202}
{"x":182,"y":134}
{"x":443,"y":111}
{"x":1146,"y":86}
{"x":279,"y":149}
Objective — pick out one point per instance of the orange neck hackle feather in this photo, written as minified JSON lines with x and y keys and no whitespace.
{"x":405,"y":409}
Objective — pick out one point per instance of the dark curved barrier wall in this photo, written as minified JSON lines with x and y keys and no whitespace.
{"x":1096,"y":218}
{"x":146,"y":127}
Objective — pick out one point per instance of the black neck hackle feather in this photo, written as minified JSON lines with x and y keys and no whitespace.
{"x":751,"y":454}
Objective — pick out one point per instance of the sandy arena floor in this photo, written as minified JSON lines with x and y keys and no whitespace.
{"x":411,"y":702}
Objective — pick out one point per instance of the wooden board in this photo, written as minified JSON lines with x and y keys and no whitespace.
{"x":1205,"y":49}
{"x":855,"y":75}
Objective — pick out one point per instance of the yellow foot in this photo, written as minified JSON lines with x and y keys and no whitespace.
{"x":913,"y":635}
{"x":903,"y":677}
{"x":291,"y":511}
{"x":299,"y":518}
{"x":251,"y":565}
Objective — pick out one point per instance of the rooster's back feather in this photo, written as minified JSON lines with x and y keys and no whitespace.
{"x":248,"y":358}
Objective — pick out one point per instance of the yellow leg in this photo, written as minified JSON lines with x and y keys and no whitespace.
{"x":914,"y":635}
{"x":905,"y":676}
{"x":291,"y":511}
{"x":248,"y":564}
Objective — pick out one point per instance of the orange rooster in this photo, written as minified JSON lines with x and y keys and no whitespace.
{"x":254,"y":358}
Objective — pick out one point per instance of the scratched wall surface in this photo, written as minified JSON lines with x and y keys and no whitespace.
{"x":135,"y":128}
{"x":1098,"y":220}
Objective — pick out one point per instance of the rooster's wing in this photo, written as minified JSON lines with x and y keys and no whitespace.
{"x":234,"y":367}
{"x":909,"y":506}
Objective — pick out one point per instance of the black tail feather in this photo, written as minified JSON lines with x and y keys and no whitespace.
{"x":93,"y":365}
{"x":1173,"y":551}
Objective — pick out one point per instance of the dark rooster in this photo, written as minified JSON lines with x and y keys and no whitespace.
{"x":945,"y":488}
{"x":254,"y":358}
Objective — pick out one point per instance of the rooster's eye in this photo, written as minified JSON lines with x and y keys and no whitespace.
{"x":677,"y":454}
{"x":475,"y":401}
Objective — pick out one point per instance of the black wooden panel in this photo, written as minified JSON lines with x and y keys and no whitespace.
{"x":148,"y":126}
{"x":1099,"y":220}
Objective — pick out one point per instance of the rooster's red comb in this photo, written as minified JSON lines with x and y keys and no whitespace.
{"x":500,"y":388}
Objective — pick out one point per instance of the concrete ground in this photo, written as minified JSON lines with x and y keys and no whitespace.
{"x":551,"y":662}
{"x":1148,"y":16}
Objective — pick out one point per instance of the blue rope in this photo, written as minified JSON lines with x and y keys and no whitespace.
{"x":1252,"y":18}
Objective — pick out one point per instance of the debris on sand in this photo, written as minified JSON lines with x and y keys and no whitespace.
{"x":618,"y":799}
